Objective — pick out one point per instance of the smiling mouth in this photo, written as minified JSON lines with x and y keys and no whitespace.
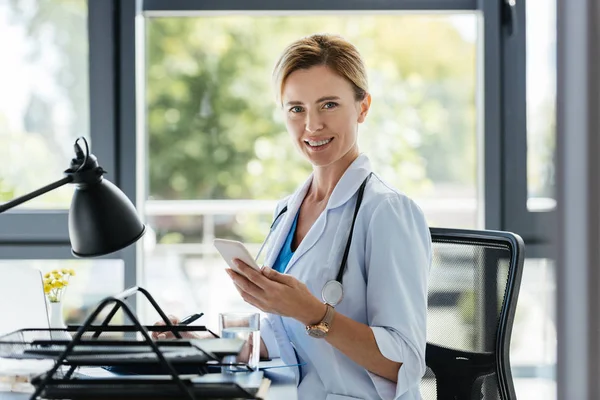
{"x":318,"y":143}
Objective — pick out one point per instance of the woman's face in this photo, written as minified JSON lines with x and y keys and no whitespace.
{"x":322,"y":115}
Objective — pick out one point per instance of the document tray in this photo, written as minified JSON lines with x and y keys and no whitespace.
{"x":214,"y":386}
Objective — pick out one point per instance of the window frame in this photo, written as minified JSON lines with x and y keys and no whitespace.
{"x":535,"y":227}
{"x":188,"y":7}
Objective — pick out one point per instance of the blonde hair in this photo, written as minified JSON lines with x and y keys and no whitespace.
{"x":332,"y":51}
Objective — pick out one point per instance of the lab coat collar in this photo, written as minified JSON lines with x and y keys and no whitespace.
{"x":350,"y":182}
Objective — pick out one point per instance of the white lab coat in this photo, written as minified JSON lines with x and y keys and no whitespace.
{"x":385,"y":287}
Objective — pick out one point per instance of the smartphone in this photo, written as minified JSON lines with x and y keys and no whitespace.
{"x":231,"y":249}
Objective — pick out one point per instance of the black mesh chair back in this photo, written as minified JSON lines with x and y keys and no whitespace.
{"x":474,"y":285}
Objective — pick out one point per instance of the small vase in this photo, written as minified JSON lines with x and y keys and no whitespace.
{"x":57,"y":322}
{"x":56,"y":315}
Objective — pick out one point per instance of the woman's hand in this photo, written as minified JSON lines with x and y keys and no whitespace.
{"x":277,"y":293}
{"x":169,"y":335}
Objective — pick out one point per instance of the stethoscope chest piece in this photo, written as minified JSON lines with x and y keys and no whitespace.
{"x":332,"y":293}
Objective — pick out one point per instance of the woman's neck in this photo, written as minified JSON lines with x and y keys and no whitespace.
{"x":326,"y":178}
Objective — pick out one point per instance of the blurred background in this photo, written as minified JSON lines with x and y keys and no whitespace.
{"x":215,"y":155}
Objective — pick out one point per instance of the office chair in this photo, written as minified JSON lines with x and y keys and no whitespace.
{"x":473,"y":291}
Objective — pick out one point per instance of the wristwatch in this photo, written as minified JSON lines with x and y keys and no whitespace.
{"x":321,"y":329}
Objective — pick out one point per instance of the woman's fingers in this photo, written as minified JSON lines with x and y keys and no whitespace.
{"x":163,"y":335}
{"x":252,"y":275}
{"x":273,"y":275}
{"x":185,"y":335}
{"x":245,"y":284}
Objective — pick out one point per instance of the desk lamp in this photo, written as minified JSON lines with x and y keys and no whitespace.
{"x":102,"y":219}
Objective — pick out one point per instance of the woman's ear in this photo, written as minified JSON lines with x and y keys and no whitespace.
{"x":365,"y":104}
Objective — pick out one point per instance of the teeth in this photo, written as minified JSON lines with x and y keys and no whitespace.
{"x":319,"y":143}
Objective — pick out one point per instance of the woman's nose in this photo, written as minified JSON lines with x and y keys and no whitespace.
{"x":313,"y":123}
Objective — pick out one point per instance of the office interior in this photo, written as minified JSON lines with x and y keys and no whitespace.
{"x":484,"y":111}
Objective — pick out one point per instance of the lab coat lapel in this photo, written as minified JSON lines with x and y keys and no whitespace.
{"x":344,"y":190}
{"x":314,"y":233}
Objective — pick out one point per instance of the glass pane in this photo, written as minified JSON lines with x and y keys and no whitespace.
{"x":533,"y":344}
{"x":44,"y":98}
{"x":219,"y":154}
{"x":92,"y":282}
{"x":541,"y":104}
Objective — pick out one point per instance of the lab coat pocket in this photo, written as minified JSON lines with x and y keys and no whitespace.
{"x":332,"y":396}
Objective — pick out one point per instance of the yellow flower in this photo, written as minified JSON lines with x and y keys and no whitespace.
{"x":56,"y":273}
{"x":47,"y":288}
{"x":65,"y":271}
{"x":57,"y":284}
{"x":65,"y":281}
{"x":72,"y":272}
{"x":47,"y":275}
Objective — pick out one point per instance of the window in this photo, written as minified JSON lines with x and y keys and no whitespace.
{"x":541,"y":102}
{"x":44,"y":103}
{"x":216,"y":139}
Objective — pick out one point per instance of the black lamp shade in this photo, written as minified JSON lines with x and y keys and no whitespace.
{"x":102,"y":220}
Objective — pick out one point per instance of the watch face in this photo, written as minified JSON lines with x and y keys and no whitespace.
{"x":317,"y":331}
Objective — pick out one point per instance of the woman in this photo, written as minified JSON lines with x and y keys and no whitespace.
{"x":372,"y":344}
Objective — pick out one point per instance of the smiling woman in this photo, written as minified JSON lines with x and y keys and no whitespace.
{"x":374,"y":332}
{"x":321,"y":82}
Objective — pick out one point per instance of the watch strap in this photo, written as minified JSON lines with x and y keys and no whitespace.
{"x":328,"y":318}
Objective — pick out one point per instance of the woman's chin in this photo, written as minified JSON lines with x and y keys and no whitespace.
{"x":320,"y":159}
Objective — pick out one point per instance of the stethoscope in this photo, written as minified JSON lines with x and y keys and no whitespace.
{"x":333,"y":291}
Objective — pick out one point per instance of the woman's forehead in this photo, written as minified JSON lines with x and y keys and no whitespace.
{"x":308,"y":85}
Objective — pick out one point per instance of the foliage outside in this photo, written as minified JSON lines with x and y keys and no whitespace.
{"x":215,"y":131}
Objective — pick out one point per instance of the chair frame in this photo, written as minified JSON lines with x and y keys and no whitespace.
{"x":463,"y":370}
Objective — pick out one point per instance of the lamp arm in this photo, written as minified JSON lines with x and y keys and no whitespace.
{"x":19,"y":200}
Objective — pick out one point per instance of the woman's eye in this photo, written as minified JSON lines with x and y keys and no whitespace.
{"x":330,"y":104}
{"x":296,"y":109}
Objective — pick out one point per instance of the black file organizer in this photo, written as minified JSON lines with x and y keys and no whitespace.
{"x":83,"y":352}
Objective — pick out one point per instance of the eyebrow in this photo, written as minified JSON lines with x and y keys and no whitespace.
{"x":320,"y":100}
